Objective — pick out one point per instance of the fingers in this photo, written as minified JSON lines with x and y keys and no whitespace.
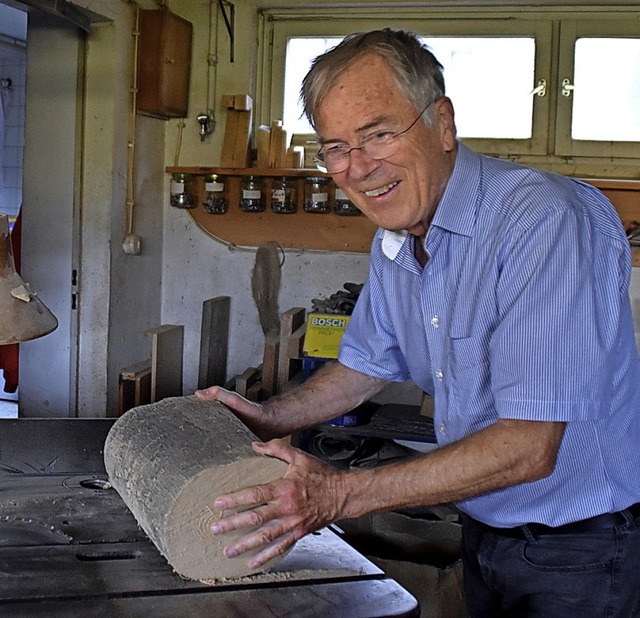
{"x":280,"y":449}
{"x":275,"y":515}
{"x":273,"y":550}
{"x":274,"y":537}
{"x":229,"y":398}
{"x":251,"y":496}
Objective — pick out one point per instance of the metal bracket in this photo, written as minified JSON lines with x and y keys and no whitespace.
{"x":567,"y":87}
{"x":541,"y":89}
{"x":230,"y":22}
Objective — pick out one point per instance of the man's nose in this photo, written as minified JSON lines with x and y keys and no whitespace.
{"x":360,"y":163}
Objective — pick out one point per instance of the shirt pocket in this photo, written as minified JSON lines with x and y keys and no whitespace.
{"x":470,"y":380}
{"x":468,"y":352}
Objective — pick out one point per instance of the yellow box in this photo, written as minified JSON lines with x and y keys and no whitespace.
{"x":323,"y":334}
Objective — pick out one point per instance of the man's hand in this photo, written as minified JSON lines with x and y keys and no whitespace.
{"x":310,"y":496}
{"x":252,"y":414}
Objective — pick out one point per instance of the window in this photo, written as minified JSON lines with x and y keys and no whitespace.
{"x":523,"y":85}
{"x":606,"y":67}
{"x":500,"y":107}
{"x":599,"y":98}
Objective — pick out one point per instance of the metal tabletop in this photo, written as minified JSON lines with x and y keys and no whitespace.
{"x":69,"y":546}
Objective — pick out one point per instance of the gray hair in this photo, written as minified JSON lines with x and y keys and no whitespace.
{"x":416,"y":70}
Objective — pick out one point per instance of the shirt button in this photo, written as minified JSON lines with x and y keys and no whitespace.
{"x":435,"y":321}
{"x":439,"y":375}
{"x":441,"y":428}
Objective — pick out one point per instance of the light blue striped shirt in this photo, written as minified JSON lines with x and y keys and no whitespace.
{"x":521,"y":312}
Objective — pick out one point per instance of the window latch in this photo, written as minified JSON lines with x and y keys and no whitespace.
{"x":541,"y":89}
{"x":567,"y":87}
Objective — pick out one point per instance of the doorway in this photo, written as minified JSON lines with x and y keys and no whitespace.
{"x":41,"y":132}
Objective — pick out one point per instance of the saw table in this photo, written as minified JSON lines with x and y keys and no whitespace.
{"x":70,"y":547}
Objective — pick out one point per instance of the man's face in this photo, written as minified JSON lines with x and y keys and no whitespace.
{"x":402,"y":191}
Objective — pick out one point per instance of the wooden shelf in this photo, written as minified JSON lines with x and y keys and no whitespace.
{"x":299,"y":230}
{"x":329,"y":231}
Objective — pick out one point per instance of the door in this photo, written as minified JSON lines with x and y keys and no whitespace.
{"x":52,"y":133}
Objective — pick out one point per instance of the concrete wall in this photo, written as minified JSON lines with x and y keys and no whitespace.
{"x":120,"y":293}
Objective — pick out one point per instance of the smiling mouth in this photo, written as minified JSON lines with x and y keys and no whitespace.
{"x":381,"y":190}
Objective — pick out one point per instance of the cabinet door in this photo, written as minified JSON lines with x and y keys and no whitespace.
{"x":164,"y":62}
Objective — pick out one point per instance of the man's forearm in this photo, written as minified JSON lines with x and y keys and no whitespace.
{"x":502,"y":455}
{"x":333,"y":390}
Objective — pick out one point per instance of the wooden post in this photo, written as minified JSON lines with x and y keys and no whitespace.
{"x":168,"y":461}
{"x":214,"y":341}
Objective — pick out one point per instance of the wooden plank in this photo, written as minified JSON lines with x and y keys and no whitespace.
{"x":132,"y":372}
{"x":292,"y":320}
{"x":134,"y":386}
{"x":229,"y":139}
{"x":277,"y":146}
{"x":246,"y":380}
{"x":270,"y":365}
{"x":255,"y":392}
{"x":166,"y":361}
{"x":241,"y":147}
{"x":214,"y":342}
{"x":263,"y":137}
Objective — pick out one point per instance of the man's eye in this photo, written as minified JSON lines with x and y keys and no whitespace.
{"x":384,"y":135}
{"x":335,"y":151}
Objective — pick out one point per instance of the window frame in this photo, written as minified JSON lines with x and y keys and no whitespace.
{"x":551,"y":146}
{"x":570,"y":31}
{"x":278,"y":28}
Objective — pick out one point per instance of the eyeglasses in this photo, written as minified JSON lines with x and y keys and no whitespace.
{"x":382,"y":144}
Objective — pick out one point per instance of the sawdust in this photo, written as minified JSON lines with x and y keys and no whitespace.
{"x":269,"y":577}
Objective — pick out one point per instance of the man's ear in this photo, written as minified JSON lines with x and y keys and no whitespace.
{"x":444,"y":117}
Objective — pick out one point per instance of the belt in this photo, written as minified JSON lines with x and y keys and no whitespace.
{"x":592,"y":524}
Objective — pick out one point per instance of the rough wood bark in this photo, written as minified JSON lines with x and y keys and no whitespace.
{"x":169,"y":461}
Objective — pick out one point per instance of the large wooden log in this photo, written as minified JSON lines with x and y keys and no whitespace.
{"x":168,"y":461}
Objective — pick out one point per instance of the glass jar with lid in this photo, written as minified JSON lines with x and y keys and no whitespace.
{"x":316,"y":194}
{"x":283,"y":196}
{"x":180,"y":197}
{"x":251,"y":198}
{"x":215,"y":197}
{"x":343,"y":205}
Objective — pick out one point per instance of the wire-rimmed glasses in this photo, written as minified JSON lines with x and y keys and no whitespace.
{"x":381,"y":144}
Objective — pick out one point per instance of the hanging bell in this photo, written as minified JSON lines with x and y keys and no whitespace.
{"x":23,"y":316}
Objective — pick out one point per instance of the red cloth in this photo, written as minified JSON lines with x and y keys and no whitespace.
{"x":10,"y":354}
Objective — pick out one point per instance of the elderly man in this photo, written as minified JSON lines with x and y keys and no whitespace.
{"x":503,"y":292}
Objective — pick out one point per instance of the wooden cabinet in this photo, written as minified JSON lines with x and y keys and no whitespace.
{"x":164,"y":62}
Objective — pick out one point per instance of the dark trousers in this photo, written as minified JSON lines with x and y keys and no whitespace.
{"x":590,"y":571}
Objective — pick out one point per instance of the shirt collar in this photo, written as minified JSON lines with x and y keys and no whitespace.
{"x":456,"y":211}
